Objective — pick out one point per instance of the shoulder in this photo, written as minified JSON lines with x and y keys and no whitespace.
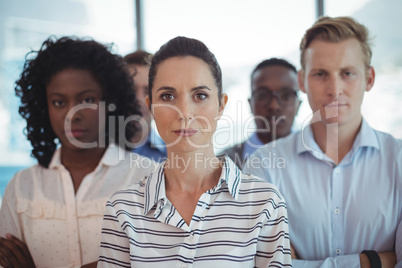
{"x":235,"y":149}
{"x":24,"y":181}
{"x":285,"y":145}
{"x":274,"y":154}
{"x":254,"y":185}
{"x":235,"y":153}
{"x":388,"y":142}
{"x":135,"y":164}
{"x":133,"y":193}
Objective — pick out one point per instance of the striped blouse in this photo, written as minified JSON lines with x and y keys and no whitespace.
{"x":241,"y":222}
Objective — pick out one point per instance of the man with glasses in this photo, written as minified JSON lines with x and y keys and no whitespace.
{"x":274,"y":104}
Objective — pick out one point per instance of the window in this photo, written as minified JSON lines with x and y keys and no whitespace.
{"x":381,"y":106}
{"x":25,"y":25}
{"x":241,"y":34}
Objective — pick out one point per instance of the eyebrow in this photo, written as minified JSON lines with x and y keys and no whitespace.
{"x":193,"y":89}
{"x":281,"y":89}
{"x":80,"y":94}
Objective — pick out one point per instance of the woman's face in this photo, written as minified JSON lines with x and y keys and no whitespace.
{"x":185,"y":104}
{"x":77,"y":128}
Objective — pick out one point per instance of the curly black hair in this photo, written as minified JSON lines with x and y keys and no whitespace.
{"x":56,"y":55}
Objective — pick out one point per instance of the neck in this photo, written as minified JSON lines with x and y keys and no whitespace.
{"x":85,"y":159}
{"x":268,"y":137}
{"x":192,"y":171}
{"x":265,"y":138}
{"x":336,"y":140}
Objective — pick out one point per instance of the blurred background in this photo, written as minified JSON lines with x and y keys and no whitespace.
{"x":240,"y":33}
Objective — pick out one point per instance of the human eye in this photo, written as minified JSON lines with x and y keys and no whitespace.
{"x":348,"y":73}
{"x":260,"y":95}
{"x":88,"y":100}
{"x":287,"y":95}
{"x":58,"y":103}
{"x":166,"y":96}
{"x":318,"y":74}
{"x":200,"y":95}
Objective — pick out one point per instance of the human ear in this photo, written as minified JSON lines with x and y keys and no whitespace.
{"x":370,"y":78}
{"x":298,"y":103}
{"x":300,"y":80}
{"x":148,"y":103}
{"x":251,"y":105}
{"x":224,"y":100}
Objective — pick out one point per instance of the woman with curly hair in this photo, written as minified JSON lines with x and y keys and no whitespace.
{"x":79,"y":103}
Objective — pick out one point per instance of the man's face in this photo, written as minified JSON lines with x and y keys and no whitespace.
{"x":140,"y":76}
{"x":274,"y":119}
{"x":335,"y":79}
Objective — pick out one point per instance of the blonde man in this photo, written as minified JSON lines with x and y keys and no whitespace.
{"x":342,"y":179}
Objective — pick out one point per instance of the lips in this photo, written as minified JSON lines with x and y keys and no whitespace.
{"x":335,"y":104}
{"x":276,"y":118}
{"x":185,"y":132}
{"x":75,"y":132}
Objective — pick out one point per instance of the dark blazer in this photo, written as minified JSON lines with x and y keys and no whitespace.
{"x":236,"y":153}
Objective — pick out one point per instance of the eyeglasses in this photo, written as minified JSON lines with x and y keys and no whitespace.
{"x":284,"y":97}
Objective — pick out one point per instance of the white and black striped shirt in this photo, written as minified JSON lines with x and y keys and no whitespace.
{"x":241,"y":222}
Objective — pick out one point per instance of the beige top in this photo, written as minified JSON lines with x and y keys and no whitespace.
{"x":61,"y":228}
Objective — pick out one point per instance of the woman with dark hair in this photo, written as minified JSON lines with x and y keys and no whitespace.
{"x":73,"y":92}
{"x":197,"y":209}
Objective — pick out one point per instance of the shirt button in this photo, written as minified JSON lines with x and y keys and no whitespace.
{"x":338,"y":251}
{"x":191,"y":237}
{"x":183,"y":266}
{"x":337,"y":211}
{"x":204,"y":206}
{"x":337,"y":170}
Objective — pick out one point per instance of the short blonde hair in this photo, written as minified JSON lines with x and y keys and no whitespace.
{"x":337,"y":30}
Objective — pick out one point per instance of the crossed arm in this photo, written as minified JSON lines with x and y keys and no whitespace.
{"x":388,"y":260}
{"x":14,"y":253}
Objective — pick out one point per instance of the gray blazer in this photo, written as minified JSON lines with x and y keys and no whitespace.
{"x":236,"y":153}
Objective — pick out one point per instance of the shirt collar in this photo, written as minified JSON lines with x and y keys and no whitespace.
{"x":251,"y":144}
{"x":56,"y":159}
{"x":365,"y":138}
{"x":306,"y":143}
{"x":255,"y":140}
{"x":111,"y":157}
{"x":155,"y":191}
{"x":230,"y":175}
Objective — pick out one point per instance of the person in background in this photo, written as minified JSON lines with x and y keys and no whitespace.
{"x":148,"y":142}
{"x":274,"y":103}
{"x":343,"y":179}
{"x":73,"y":91}
{"x":197,"y":209}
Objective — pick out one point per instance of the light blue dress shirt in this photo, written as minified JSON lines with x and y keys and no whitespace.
{"x":154,"y":147}
{"x":251,"y":144}
{"x":336,"y":211}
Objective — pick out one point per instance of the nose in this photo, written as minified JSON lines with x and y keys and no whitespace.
{"x":74,"y":113}
{"x":185,"y":110}
{"x":274,"y":104}
{"x":334,"y":86}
